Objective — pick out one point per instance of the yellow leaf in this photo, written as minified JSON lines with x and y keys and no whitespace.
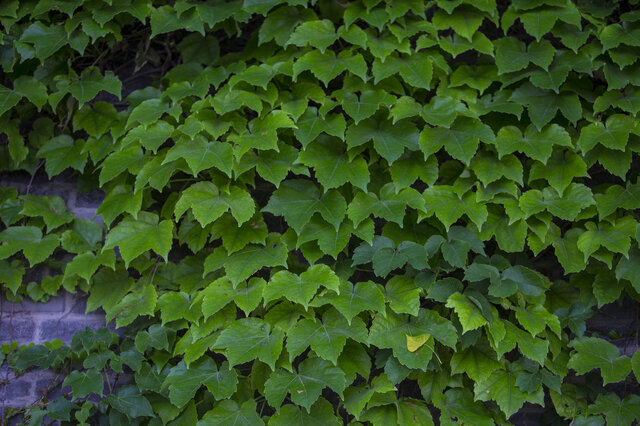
{"x":415,"y":342}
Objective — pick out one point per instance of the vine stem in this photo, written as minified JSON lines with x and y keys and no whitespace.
{"x":10,"y":355}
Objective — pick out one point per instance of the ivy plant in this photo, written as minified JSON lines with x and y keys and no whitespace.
{"x":326,"y":212}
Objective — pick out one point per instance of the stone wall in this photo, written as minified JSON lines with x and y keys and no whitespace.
{"x":61,"y":316}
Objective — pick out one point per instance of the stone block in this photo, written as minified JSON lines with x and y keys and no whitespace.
{"x":20,"y":329}
{"x":64,"y":328}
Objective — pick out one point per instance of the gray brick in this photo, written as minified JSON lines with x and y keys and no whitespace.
{"x":55,"y":304}
{"x":87,"y":213}
{"x":18,"y":387}
{"x":45,"y":386}
{"x":21,"y":329}
{"x":65,"y":328}
{"x":91,"y":199}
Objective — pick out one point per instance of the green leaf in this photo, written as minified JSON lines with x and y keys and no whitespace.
{"x":489,"y":169}
{"x":449,"y":207}
{"x":61,"y":153}
{"x":353,"y":299}
{"x":312,"y":123}
{"x":464,"y":21}
{"x":305,"y":385}
{"x":360,"y":107}
{"x":90,"y":83}
{"x":416,"y":69}
{"x":617,"y":411}
{"x":576,"y":198}
{"x":319,"y":34}
{"x":332,"y":166}
{"x":470,"y":315}
{"x":228,"y":412}
{"x":235,"y":238}
{"x":31,"y":89}
{"x":535,"y":144}
{"x":405,"y":171}
{"x":403,"y":295}
{"x":51,"y":209}
{"x":278,"y":23}
{"x":618,"y":197}
{"x":477,"y":362}
{"x":614,"y":237}
{"x":327,"y":337}
{"x":84,"y":383}
{"x":246,"y":295}
{"x":460,"y":141}
{"x":321,"y":414}
{"x":389,"y":139}
{"x":501,"y":387}
{"x":543,"y":105}
{"x":245,"y":262}
{"x":613,"y":136}
{"x":391,"y":332}
{"x":130,"y":402}
{"x":134,"y":237}
{"x":250,"y":338}
{"x":301,"y":288}
{"x":513,"y":55}
{"x":202,"y":155}
{"x":129,"y":160}
{"x":326,"y":65}
{"x":208,"y":203}
{"x":45,"y":40}
{"x":174,"y":306}
{"x":118,"y":201}
{"x":262,"y":133}
{"x":8,"y":99}
{"x":536,"y":318}
{"x":183,"y":382}
{"x":389,"y":205}
{"x":297,"y":200}
{"x":560,"y":170}
{"x":28,"y":239}
{"x":592,"y":353}
{"x":142,"y":301}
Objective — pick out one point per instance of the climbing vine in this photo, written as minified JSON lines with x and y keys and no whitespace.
{"x":326,"y":212}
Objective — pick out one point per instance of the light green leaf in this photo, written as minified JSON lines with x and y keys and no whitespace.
{"x":332,"y":165}
{"x":305,"y":385}
{"x":183,"y":382}
{"x":28,"y":239}
{"x":326,"y":65}
{"x":297,"y":200}
{"x":353,"y":299}
{"x":460,"y":141}
{"x":61,"y":153}
{"x":250,"y":338}
{"x":535,"y":144}
{"x":202,"y":155}
{"x":326,"y":337}
{"x":228,"y":412}
{"x":389,"y":139}
{"x":208,"y":203}
{"x":244,"y":263}
{"x":247,"y":295}
{"x":301,"y":288}
{"x":469,"y":314}
{"x":319,"y":34}
{"x":592,"y":353}
{"x":84,"y":383}
{"x":134,"y":237}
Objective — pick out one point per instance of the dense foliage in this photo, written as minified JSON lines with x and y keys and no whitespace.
{"x":327,"y":212}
